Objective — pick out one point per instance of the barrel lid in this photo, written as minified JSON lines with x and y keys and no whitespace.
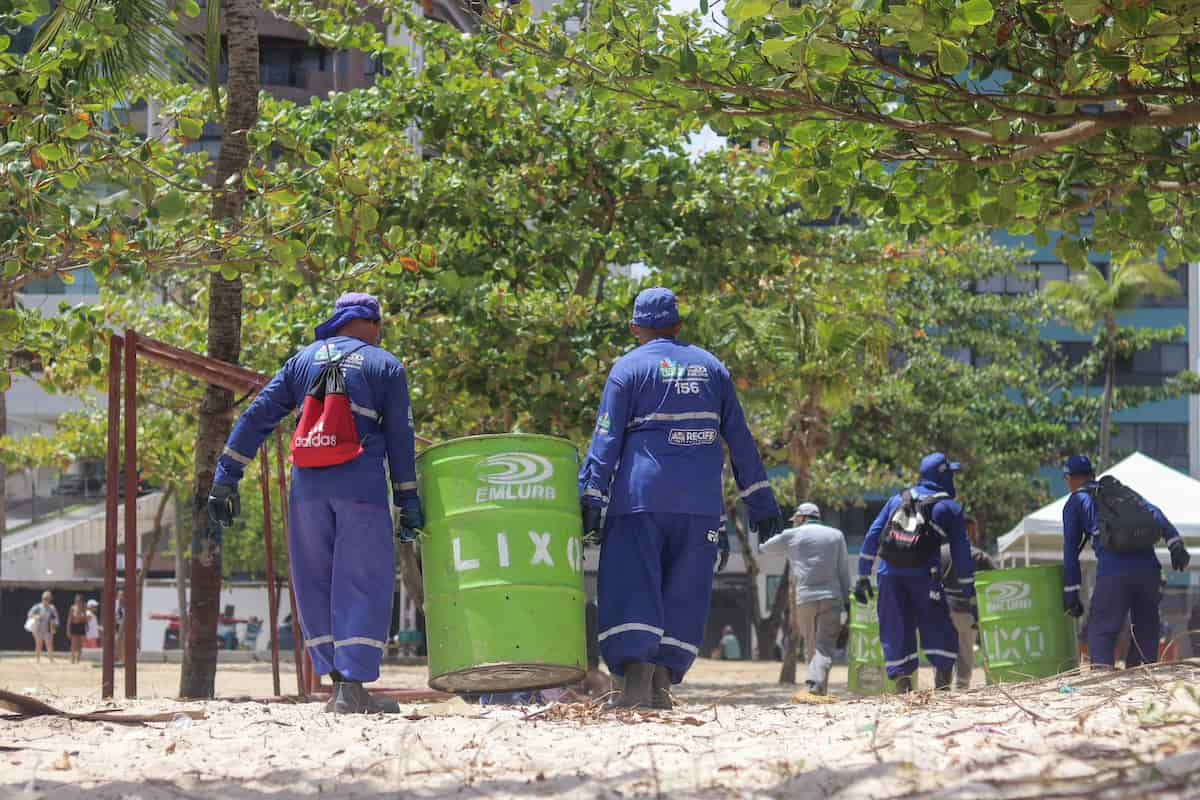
{"x":489,"y":436}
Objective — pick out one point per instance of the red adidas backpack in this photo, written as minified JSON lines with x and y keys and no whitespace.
{"x":327,"y":435}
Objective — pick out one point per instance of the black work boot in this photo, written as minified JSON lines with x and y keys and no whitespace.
{"x":636,"y":691}
{"x":942,"y":679}
{"x":660,"y":686}
{"x":337,"y":678}
{"x":350,"y":697}
{"x":904,"y":684}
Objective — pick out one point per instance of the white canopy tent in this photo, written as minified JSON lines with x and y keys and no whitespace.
{"x":1039,"y":537}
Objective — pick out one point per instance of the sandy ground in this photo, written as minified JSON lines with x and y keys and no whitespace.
{"x":736,"y":734}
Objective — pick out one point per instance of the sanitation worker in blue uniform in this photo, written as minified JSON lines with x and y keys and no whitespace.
{"x":1127,"y":583}
{"x":656,"y":460}
{"x":906,"y":538}
{"x":340,"y":531}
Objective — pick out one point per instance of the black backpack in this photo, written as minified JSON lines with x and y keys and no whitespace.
{"x":910,"y":538}
{"x":1125,"y":522}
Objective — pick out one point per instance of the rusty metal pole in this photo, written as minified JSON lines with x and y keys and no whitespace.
{"x":297,"y":641}
{"x":269,"y":541}
{"x":108,"y":613}
{"x":132,"y":612}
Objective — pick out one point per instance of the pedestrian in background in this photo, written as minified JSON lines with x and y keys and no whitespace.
{"x":907,"y":537}
{"x":77,"y":625}
{"x":821,"y":570}
{"x":42,"y":622}
{"x":1124,"y":529}
{"x":731,"y":647}
{"x":93,"y":625}
{"x":961,"y":612}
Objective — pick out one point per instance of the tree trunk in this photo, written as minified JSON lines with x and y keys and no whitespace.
{"x":808,"y":435}
{"x":7,"y":300}
{"x":181,"y":582}
{"x":224,"y":343}
{"x":1110,"y":374}
{"x":791,"y":647}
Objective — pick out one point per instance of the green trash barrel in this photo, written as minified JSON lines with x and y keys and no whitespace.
{"x":864,"y":652}
{"x":502,"y":562}
{"x":1024,"y":630}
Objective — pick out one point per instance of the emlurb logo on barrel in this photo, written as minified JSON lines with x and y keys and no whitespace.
{"x":514,"y":476}
{"x":1009,"y":596}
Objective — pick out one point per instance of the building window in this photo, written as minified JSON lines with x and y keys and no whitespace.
{"x":1162,"y":441}
{"x":85,"y":283}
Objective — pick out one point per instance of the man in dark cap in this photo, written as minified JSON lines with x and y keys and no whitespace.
{"x":907,"y":537}
{"x":340,"y":531}
{"x":1128,"y":581}
{"x":656,"y":460}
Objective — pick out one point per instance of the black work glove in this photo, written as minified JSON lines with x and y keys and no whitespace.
{"x":593,"y":527}
{"x":224,"y":504}
{"x":410,"y":520}
{"x":1072,"y":604}
{"x":768,"y":528}
{"x":863,"y":591}
{"x":974,"y":613}
{"x":1180,"y":558}
{"x":722,"y":550}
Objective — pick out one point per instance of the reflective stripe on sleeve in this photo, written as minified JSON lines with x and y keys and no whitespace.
{"x":593,"y":493}
{"x":1074,"y":588}
{"x":754,"y":487}
{"x":691,"y":648}
{"x":681,"y":417}
{"x":363,"y":640}
{"x":627,"y":627}
{"x":406,"y":486}
{"x":229,"y":452}
{"x":966,"y":580}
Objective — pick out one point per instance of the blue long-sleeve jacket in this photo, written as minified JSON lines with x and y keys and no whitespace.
{"x":378,"y":391}
{"x":947,"y":515}
{"x":666,"y":408}
{"x":1079,"y":520}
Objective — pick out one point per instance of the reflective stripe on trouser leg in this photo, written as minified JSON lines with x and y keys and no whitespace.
{"x":364,"y":580}
{"x":898,"y":624}
{"x":687,"y":569}
{"x":310,"y":543}
{"x":939,"y":638}
{"x":629,"y":591}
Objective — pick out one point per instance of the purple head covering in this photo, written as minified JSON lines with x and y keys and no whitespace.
{"x":350,"y":306}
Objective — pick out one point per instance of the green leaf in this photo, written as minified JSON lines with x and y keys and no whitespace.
{"x":828,"y":57}
{"x":4,"y":42}
{"x":191,"y":128}
{"x":69,"y":180}
{"x":356,"y":185}
{"x":5,"y":381}
{"x":283,"y":197}
{"x":191,"y":8}
{"x":742,"y":10}
{"x":687,"y":60}
{"x":704,"y":7}
{"x":171,"y":206}
{"x":1071,"y":252}
{"x":368,"y":217}
{"x":978,"y":12}
{"x":10,"y":320}
{"x":952,"y":59}
{"x":51,"y":152}
{"x":78,"y":130}
{"x":1082,"y":12}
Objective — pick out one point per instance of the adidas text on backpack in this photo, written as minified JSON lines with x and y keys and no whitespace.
{"x":910,"y":538}
{"x":327,"y":435}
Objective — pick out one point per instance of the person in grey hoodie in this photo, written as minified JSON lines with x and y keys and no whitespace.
{"x":821,"y":567}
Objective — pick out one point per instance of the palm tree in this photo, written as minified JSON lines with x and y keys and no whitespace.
{"x":198,"y":677}
{"x":1091,"y":301}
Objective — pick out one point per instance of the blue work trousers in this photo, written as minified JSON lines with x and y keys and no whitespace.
{"x":1114,"y":597}
{"x":344,"y":573}
{"x":655,"y":583}
{"x":907,"y":605}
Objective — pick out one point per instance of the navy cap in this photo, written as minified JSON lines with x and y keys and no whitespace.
{"x":935,"y":466}
{"x":1079,"y":465}
{"x":656,"y":309}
